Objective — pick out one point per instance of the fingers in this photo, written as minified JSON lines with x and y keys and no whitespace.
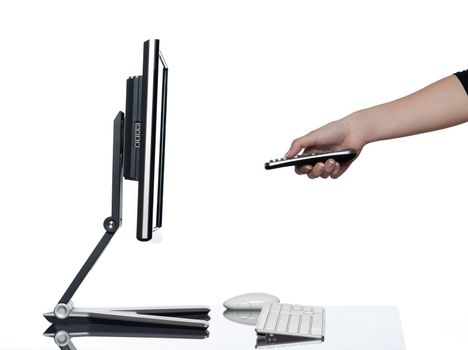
{"x":328,"y":168}
{"x":337,"y":172}
{"x":316,"y":171}
{"x":302,"y":170}
{"x":324,"y":170}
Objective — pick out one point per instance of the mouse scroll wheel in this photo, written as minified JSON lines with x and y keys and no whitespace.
{"x":244,"y":305}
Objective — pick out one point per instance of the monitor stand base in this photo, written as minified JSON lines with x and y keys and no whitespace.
{"x":121,"y":322}
{"x":195,"y":317}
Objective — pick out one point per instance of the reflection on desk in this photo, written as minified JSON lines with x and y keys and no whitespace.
{"x":63,"y":333}
{"x":246,"y":317}
{"x":348,"y":328}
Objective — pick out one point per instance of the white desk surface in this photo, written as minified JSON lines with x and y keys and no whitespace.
{"x":347,"y":328}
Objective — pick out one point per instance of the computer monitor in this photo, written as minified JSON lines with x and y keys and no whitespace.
{"x":139,"y":144}
{"x":145,"y":136}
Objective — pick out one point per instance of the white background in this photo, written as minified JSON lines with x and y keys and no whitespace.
{"x":246,"y":77}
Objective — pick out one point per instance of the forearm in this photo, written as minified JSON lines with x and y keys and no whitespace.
{"x":437,"y":106}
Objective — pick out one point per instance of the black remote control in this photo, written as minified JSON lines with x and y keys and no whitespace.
{"x":342,"y":156}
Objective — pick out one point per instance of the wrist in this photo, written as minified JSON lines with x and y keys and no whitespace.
{"x":358,"y":127}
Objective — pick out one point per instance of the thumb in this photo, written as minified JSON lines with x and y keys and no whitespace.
{"x":298,"y":144}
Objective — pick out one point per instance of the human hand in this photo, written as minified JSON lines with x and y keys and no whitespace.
{"x":336,"y":135}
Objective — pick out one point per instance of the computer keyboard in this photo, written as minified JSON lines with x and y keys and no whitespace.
{"x":285,"y":320}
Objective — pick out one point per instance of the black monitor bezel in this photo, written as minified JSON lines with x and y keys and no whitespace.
{"x":152,"y":59}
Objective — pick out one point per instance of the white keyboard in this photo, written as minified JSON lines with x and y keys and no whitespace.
{"x":291,"y":321}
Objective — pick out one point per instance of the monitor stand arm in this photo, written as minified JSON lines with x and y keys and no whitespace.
{"x":66,"y":313}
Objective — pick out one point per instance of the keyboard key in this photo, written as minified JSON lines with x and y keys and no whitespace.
{"x":294,"y":323}
{"x":297,"y":307}
{"x":316,"y":332}
{"x":316,"y":326}
{"x":305,"y":324}
{"x":263,"y":316}
{"x":275,"y":306}
{"x":282,"y":322}
{"x":271,"y":321}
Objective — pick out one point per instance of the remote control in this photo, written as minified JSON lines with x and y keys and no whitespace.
{"x":312,"y":158}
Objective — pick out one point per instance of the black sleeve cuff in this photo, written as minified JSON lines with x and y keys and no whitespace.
{"x":463,"y":77}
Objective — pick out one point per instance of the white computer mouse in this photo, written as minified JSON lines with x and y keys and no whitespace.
{"x":250,"y":301}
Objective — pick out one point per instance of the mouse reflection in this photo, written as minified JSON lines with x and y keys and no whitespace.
{"x":247,"y":317}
